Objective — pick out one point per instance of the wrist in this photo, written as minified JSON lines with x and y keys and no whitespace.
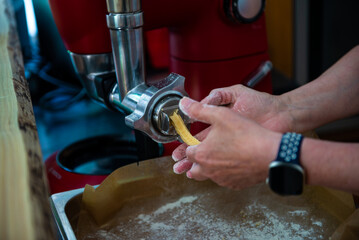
{"x":287,"y":110}
{"x":269,"y":151}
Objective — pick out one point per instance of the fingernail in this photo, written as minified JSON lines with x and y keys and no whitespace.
{"x":184,"y":104}
{"x":174,"y":158}
{"x":175,"y":170}
{"x":189,"y":174}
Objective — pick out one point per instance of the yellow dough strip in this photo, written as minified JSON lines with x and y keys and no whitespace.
{"x":182,"y":130}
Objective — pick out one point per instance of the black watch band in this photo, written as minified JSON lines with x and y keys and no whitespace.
{"x":286,"y":176}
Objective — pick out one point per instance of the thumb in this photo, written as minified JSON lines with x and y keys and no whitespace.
{"x":199,"y":111}
{"x":220,"y":96}
{"x":214,"y":98}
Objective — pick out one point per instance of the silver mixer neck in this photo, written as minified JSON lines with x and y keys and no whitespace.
{"x":150,"y":106}
{"x":125,"y":22}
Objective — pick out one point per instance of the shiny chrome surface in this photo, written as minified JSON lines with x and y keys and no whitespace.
{"x":126,"y":33}
{"x":58,"y":204}
{"x":127,"y":47}
{"x":243,"y":11}
{"x":162,"y":112}
{"x":249,"y":8}
{"x":129,"y":103}
{"x":124,"y":21}
{"x":259,"y":74}
{"x":123,"y":6}
{"x":153,"y":102}
{"x":88,"y":66}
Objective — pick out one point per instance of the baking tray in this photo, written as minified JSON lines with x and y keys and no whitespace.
{"x":66,"y":206}
{"x":257,"y":212}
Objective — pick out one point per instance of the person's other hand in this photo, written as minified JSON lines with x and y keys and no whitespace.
{"x":235,"y":152}
{"x":267,"y":110}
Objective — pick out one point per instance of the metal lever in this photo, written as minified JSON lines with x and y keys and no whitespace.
{"x":259,"y":74}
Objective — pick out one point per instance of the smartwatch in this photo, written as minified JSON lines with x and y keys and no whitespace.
{"x":286,"y":175}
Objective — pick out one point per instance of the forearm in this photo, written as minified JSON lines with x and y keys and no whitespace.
{"x":331,"y":164}
{"x":333,"y":95}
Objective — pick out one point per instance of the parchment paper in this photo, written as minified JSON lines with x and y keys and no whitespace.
{"x":148,"y":201}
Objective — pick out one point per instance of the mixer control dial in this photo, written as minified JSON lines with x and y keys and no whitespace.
{"x":244,"y":11}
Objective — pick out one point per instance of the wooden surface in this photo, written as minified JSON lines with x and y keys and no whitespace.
{"x":24,"y":206}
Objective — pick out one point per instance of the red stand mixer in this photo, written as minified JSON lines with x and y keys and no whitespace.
{"x":212,"y":43}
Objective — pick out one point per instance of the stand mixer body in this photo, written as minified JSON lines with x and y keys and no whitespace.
{"x":208,"y":45}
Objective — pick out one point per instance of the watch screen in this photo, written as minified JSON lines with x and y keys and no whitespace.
{"x":286,"y":180}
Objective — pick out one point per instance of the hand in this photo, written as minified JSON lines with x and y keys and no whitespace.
{"x":235,"y":152}
{"x":267,"y":110}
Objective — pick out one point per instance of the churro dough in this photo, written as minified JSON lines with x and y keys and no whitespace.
{"x":181,"y":129}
